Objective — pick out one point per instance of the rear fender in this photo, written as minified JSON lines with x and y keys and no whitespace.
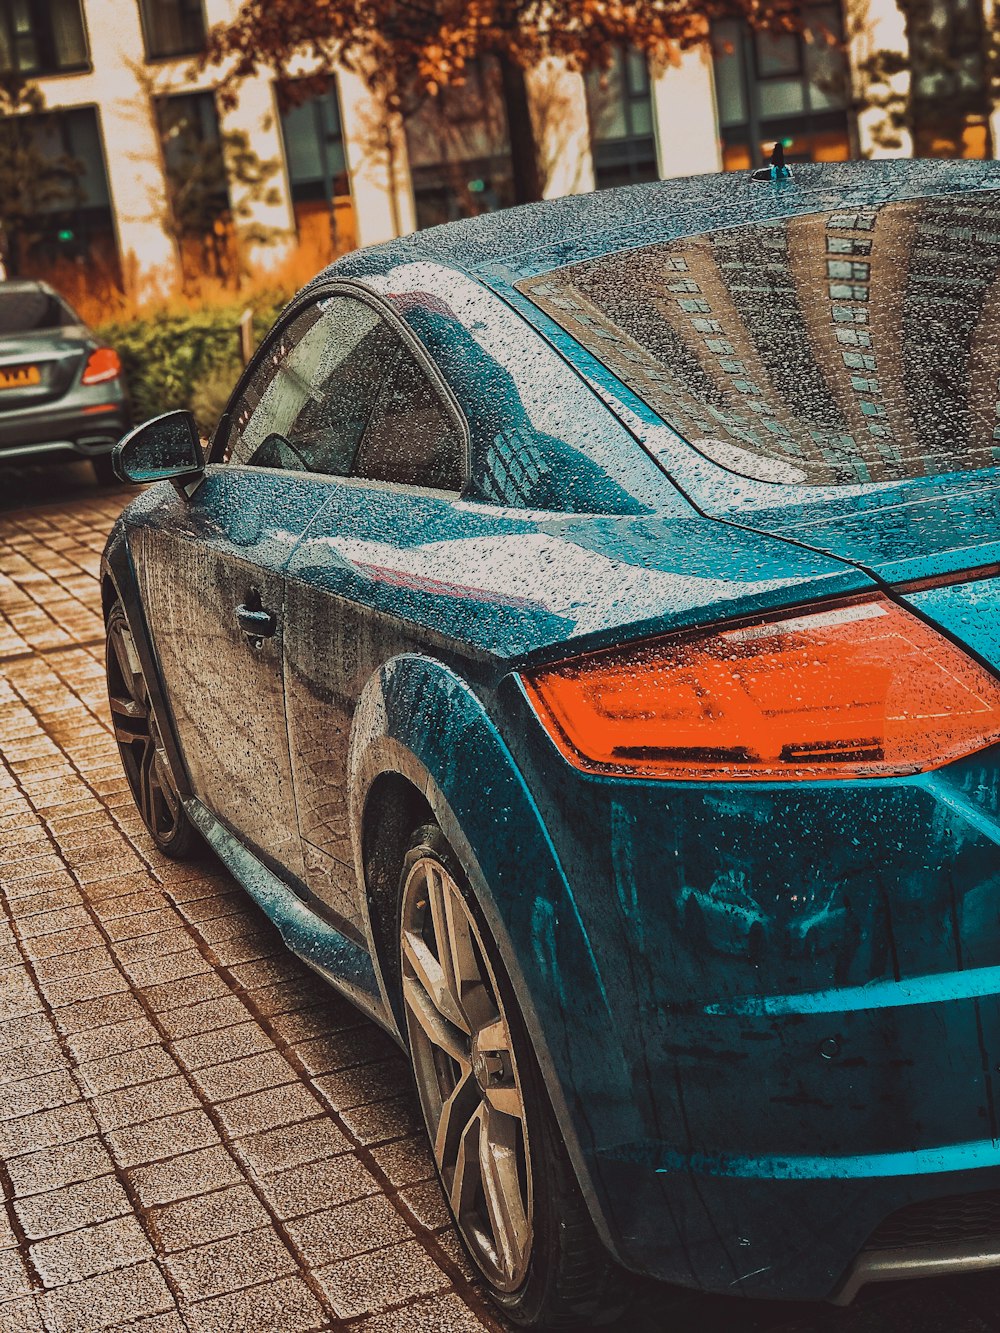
{"x":420,"y":720}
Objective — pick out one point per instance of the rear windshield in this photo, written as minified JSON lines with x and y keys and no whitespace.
{"x":835,"y":348}
{"x":26,"y":311}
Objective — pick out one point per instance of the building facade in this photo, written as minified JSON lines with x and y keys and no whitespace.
{"x":167,"y":178}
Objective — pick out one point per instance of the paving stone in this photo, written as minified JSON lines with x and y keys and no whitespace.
{"x":72,"y":1207}
{"x":217,"y":1046}
{"x":397,"y":1118}
{"x":406,"y":1161}
{"x":352,"y":1228}
{"x":21,"y":1316}
{"x":437,"y":1314}
{"x":115,"y":1040}
{"x":268,"y":1109}
{"x":61,"y":1164}
{"x":362,"y":1084}
{"x":37,"y":1094}
{"x":426,"y":1203}
{"x":253,"y":1073}
{"x":185,"y":1176}
{"x":148,"y":1101}
{"x":229,"y":1265}
{"x":345,"y":1048}
{"x":111,"y":1299}
{"x":189,"y":990}
{"x":158,"y":1139}
{"x":208,"y":1217}
{"x":61,"y":1125}
{"x":304,"y":1189}
{"x":97,"y":1249}
{"x":102,"y":1012}
{"x":286,"y":1306}
{"x":222,"y":1012}
{"x":14,"y":1277}
{"x":292,"y":1145}
{"x":362,"y":1284}
{"x":73,"y":990}
{"x":148,"y":972}
{"x":20,"y":1062}
{"x":127,"y":1068}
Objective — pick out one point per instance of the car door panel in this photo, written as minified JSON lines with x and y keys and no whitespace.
{"x":197,"y":563}
{"x":354,"y":599}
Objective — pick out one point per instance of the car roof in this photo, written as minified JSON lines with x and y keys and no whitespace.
{"x":501,"y":248}
{"x":25,"y":285}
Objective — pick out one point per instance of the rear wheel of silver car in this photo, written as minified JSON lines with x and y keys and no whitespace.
{"x":140,"y":744}
{"x":502,"y":1163}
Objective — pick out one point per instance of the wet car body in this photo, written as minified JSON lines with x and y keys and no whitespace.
{"x":767,"y":1013}
{"x":57,"y":402}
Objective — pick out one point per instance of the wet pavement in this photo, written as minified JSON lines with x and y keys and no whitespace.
{"x":196,"y":1133}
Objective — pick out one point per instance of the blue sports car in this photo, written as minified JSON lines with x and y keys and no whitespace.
{"x":582,"y":640}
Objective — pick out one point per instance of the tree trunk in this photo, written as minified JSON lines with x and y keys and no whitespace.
{"x":523,"y":150}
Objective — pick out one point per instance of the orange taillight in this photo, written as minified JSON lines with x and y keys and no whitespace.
{"x":104,"y":363}
{"x":859,"y":688}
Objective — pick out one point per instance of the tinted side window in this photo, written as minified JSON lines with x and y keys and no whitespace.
{"x":311,"y":398}
{"x":412,"y":438}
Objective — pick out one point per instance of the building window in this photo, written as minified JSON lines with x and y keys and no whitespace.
{"x":64,"y":215}
{"x":172,"y":28}
{"x":789,"y":86}
{"x":40,"y":38}
{"x":200,"y":217}
{"x":318,"y":181}
{"x":620,"y":104}
{"x":459,"y":149}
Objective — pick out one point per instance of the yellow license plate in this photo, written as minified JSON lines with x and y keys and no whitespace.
{"x":19,"y":377}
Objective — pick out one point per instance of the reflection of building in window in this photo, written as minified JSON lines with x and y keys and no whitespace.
{"x":846,"y":347}
{"x":320,"y":187}
{"x":459,"y":150}
{"x":790,"y":86}
{"x":73,"y":220}
{"x":621,"y":122}
{"x":172,"y":28}
{"x":39,"y":38}
{"x":200,"y":216}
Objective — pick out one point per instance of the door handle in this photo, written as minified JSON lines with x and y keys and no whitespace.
{"x":255,"y":622}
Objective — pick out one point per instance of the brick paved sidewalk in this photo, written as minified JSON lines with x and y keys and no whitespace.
{"x":195,"y":1131}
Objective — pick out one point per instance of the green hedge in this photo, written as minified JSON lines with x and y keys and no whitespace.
{"x":186,"y":360}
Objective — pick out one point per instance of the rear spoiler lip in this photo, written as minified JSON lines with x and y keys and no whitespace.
{"x":971,"y":575}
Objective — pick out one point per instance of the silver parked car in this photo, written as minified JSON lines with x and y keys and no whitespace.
{"x":62,"y":392}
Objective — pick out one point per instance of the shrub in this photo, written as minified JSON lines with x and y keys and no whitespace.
{"x":211,"y":393}
{"x":178,"y":359}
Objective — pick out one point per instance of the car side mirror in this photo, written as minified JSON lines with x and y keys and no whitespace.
{"x":165,"y":449}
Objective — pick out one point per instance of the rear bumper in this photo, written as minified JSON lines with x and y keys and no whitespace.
{"x":80,"y":429}
{"x":932,"y":1259}
{"x":798,"y":1030}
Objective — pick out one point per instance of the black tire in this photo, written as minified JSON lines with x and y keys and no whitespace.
{"x":137,"y":734}
{"x":571,"y":1280}
{"x":103,"y":471}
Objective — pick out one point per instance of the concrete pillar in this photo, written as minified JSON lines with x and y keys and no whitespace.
{"x":874,"y":26}
{"x":377,"y":162}
{"x":256,"y":116}
{"x":684,"y":113}
{"x":558,"y":99}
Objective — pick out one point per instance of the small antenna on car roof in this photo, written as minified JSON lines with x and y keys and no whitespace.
{"x":777,"y":171}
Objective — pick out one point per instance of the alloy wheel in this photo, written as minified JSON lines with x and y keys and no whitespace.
{"x":466,"y":1073}
{"x":139,"y":742}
